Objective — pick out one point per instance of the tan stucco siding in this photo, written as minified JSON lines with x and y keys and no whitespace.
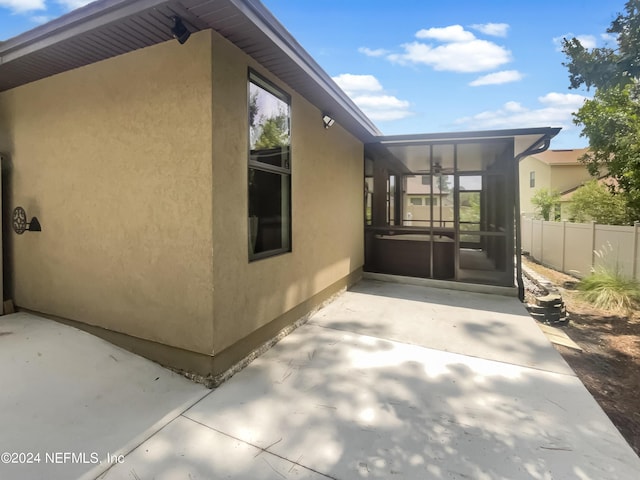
{"x":4,"y":148}
{"x":551,"y":177}
{"x":327,"y":206}
{"x":4,"y":128}
{"x":565,"y":177}
{"x":543,"y":180}
{"x":115,"y":160}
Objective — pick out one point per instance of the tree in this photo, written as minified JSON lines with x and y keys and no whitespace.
{"x":546,"y":201}
{"x":606,"y":67}
{"x":275,"y":132}
{"x":612,"y":123}
{"x":594,"y":201}
{"x":611,"y":120}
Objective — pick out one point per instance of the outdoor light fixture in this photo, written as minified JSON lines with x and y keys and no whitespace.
{"x":327,"y":120}
{"x":179,"y":31}
{"x":20,"y":224}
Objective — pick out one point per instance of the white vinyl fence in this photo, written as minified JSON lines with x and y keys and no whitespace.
{"x":577,"y":248}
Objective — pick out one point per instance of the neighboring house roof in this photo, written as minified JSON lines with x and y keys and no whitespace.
{"x":604,"y":180}
{"x":107,"y":28}
{"x":561,"y":157}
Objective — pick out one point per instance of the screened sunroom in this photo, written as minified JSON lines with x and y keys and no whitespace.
{"x":445,"y":206}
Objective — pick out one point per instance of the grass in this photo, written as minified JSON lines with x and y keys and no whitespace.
{"x":609,"y":290}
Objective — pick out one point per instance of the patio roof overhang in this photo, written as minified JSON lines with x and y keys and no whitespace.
{"x":406,"y":154}
{"x":107,"y":28}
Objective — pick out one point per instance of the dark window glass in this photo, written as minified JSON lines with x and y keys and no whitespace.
{"x":269,"y":196}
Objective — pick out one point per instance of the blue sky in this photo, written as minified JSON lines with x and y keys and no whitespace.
{"x":417,"y":66}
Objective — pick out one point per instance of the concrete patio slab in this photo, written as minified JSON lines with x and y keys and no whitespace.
{"x":67,"y":392}
{"x":345,"y":404}
{"x":355,"y":406}
{"x":366,"y":389}
{"x":486,"y":326}
{"x":185,"y":449}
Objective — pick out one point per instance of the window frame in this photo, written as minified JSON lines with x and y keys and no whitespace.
{"x":532,"y":179}
{"x":285,"y":172}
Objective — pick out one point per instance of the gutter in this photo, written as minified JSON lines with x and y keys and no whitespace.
{"x":541,"y":146}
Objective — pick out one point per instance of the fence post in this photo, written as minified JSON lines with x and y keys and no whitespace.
{"x":593,"y":244}
{"x":634,"y":257}
{"x":531,"y":246}
{"x":542,"y":241}
{"x":564,"y":241}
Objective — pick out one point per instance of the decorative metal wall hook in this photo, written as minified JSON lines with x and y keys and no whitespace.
{"x":20,"y":224}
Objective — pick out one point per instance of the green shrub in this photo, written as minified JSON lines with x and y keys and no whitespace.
{"x":609,"y":290}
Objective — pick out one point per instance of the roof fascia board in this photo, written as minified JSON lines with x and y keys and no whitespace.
{"x":274,"y":30}
{"x":72,"y":26}
{"x":472,"y":135}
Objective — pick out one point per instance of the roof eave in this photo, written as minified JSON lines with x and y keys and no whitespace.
{"x":318,"y":87}
{"x":72,"y":24}
{"x":279,"y":35}
{"x":467,"y":135}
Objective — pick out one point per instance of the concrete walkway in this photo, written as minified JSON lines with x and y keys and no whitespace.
{"x":69,"y":399}
{"x":396,"y":381}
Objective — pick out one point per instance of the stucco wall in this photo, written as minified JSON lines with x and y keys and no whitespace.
{"x":527,"y":165}
{"x":552,"y":177}
{"x":115,"y":160}
{"x":4,"y":148}
{"x":564,"y":177}
{"x":4,"y":129}
{"x":327,"y":206}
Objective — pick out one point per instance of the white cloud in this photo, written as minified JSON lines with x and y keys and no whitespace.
{"x":497,"y":78}
{"x":73,"y":4}
{"x":367,"y":92}
{"x":514,"y":107}
{"x":472,"y":56}
{"x":459,"y":51}
{"x":493,"y":29}
{"x":353,"y":84}
{"x":25,"y":6}
{"x":609,"y":38}
{"x":587,"y":41}
{"x":40,"y":19}
{"x":563,"y":99}
{"x":555,"y":109}
{"x":378,"y":52}
{"x":452,"y":33}
{"x":383,"y":107}
{"x":21,"y":6}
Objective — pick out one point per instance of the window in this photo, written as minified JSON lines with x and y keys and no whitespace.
{"x":269,"y":173}
{"x":532,"y":179}
{"x":368,"y":200}
{"x":391,"y":200}
{"x":417,"y":201}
